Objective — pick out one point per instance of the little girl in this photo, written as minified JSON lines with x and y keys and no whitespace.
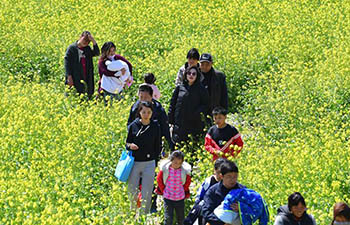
{"x":150,"y":79}
{"x":144,"y":141}
{"x":173,"y":183}
{"x":115,"y":72}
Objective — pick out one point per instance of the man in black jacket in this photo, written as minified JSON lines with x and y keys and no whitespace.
{"x":79,"y":66}
{"x":145,"y":94}
{"x":215,"y":82}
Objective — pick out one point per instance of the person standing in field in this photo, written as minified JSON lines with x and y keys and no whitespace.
{"x":174,"y":179}
{"x":294,"y":212}
{"x":144,"y":140}
{"x":192,"y":60}
{"x":79,"y":66}
{"x":222,"y":139}
{"x":188,"y":107}
{"x":115,"y":72}
{"x":215,"y":83}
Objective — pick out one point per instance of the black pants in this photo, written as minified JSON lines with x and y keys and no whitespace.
{"x":169,"y":207}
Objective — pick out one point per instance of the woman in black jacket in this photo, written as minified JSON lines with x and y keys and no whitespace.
{"x":188,"y":106}
{"x":144,"y":141}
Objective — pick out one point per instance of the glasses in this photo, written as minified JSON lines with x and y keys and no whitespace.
{"x":192,"y":74}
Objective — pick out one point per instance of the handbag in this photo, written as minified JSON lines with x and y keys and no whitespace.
{"x":124,"y":167}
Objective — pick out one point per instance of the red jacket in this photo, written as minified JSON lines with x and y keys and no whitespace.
{"x":161,"y":183}
{"x":228,"y":149}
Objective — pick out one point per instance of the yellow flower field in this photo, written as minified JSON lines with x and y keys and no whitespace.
{"x":286,"y":66}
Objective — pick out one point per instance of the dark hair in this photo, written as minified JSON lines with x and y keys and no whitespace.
{"x":149,"y":78}
{"x":228,"y":167}
{"x":85,"y":35}
{"x":341,"y":209}
{"x":193,"y":54}
{"x":177,"y":154}
{"x":146,"y":88}
{"x":294,"y":200}
{"x":219,"y":162}
{"x":188,"y":70}
{"x":219,"y":110}
{"x":144,"y":104}
{"x":106,"y":47}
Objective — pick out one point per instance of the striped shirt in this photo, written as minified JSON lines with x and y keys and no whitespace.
{"x":174,"y":189}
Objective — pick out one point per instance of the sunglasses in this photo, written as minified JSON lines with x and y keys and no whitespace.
{"x":192,"y":74}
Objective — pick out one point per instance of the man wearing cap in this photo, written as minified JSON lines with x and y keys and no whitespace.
{"x":79,"y":66}
{"x":214,"y":81}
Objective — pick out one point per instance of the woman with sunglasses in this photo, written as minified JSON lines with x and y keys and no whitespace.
{"x":188,"y":107}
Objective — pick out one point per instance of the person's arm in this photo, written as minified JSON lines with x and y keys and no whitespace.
{"x":157,"y":141}
{"x":132,"y":115}
{"x":130,"y":145}
{"x":224,"y":95}
{"x":187,"y":186}
{"x":68,"y":66}
{"x":160,"y":183}
{"x":204,"y":102}
{"x":179,"y":77}
{"x":210,"y":145}
{"x":96,"y":49}
{"x":102,"y":69}
{"x":209,"y":207}
{"x":278,"y":220}
{"x":171,"y":112}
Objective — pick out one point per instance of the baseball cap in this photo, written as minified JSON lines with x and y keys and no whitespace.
{"x":206,"y":57}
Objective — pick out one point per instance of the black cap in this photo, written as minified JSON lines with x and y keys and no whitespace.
{"x":206,"y":57}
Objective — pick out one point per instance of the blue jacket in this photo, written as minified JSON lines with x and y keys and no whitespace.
{"x":212,"y":199}
{"x":251,"y":206}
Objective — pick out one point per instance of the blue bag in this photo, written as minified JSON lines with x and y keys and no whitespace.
{"x":124,"y":167}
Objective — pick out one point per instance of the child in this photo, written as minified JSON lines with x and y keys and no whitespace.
{"x":222,"y":139}
{"x":144,"y":142}
{"x":149,"y":80}
{"x":173,"y":183}
{"x":114,"y":70}
{"x":208,"y":182}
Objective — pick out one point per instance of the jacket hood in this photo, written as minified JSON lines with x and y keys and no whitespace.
{"x":166,"y":164}
{"x":283,"y":210}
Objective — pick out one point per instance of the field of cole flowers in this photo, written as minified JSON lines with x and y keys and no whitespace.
{"x":288,"y":73}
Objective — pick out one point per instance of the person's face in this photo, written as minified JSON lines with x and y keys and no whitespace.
{"x":145,"y":96}
{"x":176,"y":163}
{"x":340,"y":219}
{"x":298,"y":210}
{"x":219,"y":119}
{"x":192,"y":62}
{"x":146,"y":113}
{"x":111,"y":51}
{"x":217,"y":175}
{"x":205,"y":66}
{"x":229,"y":180}
{"x":84,"y":41}
{"x":191,"y":76}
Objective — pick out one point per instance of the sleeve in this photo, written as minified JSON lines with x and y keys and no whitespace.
{"x":179,"y":77}
{"x":171,"y":112}
{"x":209,"y":144}
{"x":102,"y":69}
{"x":164,"y":125}
{"x":313,"y":219}
{"x":95,"y":50}
{"x":132,"y":114}
{"x":278,"y":220}
{"x":208,"y":209}
{"x":157,"y":141}
{"x":187,"y":186}
{"x":224,"y":97}
{"x":160,"y":183}
{"x":156,"y":93}
{"x":129,"y":138}
{"x":68,"y":62}
{"x":119,"y":57}
{"x":200,"y":193}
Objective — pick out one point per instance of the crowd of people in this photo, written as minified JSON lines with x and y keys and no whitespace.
{"x":199,"y":98}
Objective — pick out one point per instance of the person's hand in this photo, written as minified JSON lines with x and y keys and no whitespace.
{"x":70,"y":80}
{"x":91,"y":38}
{"x":134,"y":147}
{"x":234,"y":207}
